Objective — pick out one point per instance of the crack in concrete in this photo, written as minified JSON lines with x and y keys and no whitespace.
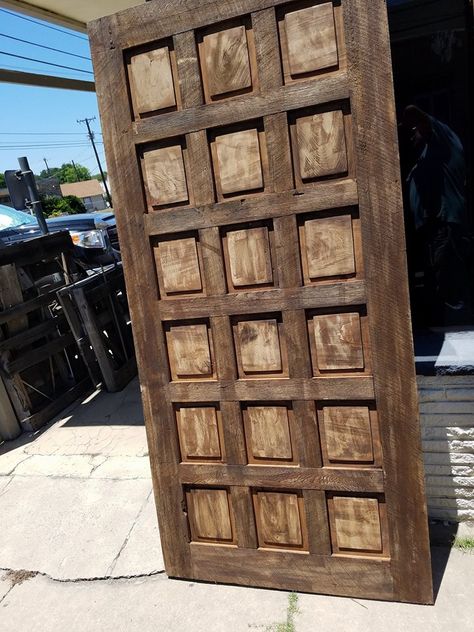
{"x":7,"y":593}
{"x":4,"y":489}
{"x":127,"y":537}
{"x":83,"y":478}
{"x":12,"y":471}
{"x":75,"y":580}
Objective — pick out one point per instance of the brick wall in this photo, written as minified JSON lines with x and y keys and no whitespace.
{"x":447,"y":426}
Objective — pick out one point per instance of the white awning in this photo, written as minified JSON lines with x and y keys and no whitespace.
{"x":73,"y":14}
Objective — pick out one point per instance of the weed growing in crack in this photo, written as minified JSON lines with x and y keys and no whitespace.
{"x":464,"y":544}
{"x":291,"y":612}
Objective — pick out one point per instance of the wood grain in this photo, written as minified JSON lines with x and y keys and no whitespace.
{"x":189,"y":351}
{"x":164,"y":175}
{"x":357,"y":524}
{"x":249,"y":257}
{"x":326,"y":195}
{"x":210,"y":515}
{"x":394,"y":370}
{"x":319,"y":388}
{"x":321,"y":145}
{"x":259,"y":346}
{"x":238,"y":164}
{"x":242,"y":108}
{"x":348,"y":434}
{"x":151,"y":81}
{"x":279,"y":521}
{"x":268,"y":433}
{"x":329,"y":479}
{"x":311,"y":38}
{"x":198,"y":433}
{"x":338,"y":342}
{"x":328,"y":247}
{"x":226,"y":60}
{"x":177,"y":260}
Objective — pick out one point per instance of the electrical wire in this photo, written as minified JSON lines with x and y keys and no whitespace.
{"x":45,"y":133}
{"x":48,"y":63}
{"x":56,"y":50}
{"x":49,"y":145}
{"x":34,"y":70}
{"x":46,"y":26}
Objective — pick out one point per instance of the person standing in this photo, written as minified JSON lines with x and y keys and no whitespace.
{"x":436,"y":187}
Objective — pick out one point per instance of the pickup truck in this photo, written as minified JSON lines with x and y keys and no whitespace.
{"x":94,"y":235}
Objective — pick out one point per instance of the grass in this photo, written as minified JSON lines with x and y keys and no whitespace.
{"x":464,"y":544}
{"x":291,"y":612}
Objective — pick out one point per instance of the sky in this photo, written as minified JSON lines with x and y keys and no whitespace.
{"x":42,"y":122}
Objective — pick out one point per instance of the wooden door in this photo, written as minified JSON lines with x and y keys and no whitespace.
{"x":253,"y":156}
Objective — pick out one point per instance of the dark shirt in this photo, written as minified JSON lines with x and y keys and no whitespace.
{"x":437,"y":181}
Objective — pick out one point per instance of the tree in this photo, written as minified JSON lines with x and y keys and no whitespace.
{"x":67,"y":173}
{"x":98,"y":177}
{"x":2,"y":181}
{"x":67,"y":205}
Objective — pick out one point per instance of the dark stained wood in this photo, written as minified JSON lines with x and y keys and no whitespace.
{"x":272,"y":318}
{"x":330,"y":295}
{"x":298,"y":571}
{"x":328,"y":195}
{"x":335,"y":479}
{"x":386,"y":274}
{"x":335,"y":388}
{"x":242,"y":108}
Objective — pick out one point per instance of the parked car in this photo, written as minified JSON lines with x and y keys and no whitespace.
{"x":94,"y":234}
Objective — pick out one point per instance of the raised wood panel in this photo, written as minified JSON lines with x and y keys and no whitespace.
{"x":321,"y":145}
{"x":225,"y":61}
{"x":210,"y":515}
{"x":178,"y":265}
{"x":280,"y":519}
{"x":237,"y":161}
{"x":199,"y":433}
{"x":164,"y":175}
{"x":267,"y":430}
{"x":258,"y":346}
{"x":357,"y":524}
{"x":327,"y":247}
{"x":249,"y":257}
{"x":189,"y":350}
{"x":311,"y":38}
{"x":338,"y":341}
{"x":151,"y":81}
{"x":347,"y":434}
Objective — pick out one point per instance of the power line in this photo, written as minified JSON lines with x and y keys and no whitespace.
{"x":56,"y":50}
{"x":44,"y":134}
{"x":57,"y":73}
{"x":53,"y":143}
{"x":49,"y":146}
{"x":48,"y":63}
{"x":46,"y":26}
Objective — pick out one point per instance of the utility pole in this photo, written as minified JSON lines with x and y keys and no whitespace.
{"x":75,"y":170}
{"x":91,"y":137}
{"x":47,"y":168}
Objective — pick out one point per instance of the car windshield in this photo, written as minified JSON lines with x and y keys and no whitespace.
{"x":10,"y":218}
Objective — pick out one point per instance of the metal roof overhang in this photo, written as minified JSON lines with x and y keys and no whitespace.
{"x":72,"y":14}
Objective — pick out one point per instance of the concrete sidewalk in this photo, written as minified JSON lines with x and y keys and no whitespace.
{"x":79,"y":546}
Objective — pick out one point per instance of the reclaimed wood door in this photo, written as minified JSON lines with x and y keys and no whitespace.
{"x":253,"y":155}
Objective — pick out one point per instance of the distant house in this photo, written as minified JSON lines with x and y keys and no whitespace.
{"x":89,"y":191}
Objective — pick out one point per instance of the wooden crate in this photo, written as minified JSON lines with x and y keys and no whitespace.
{"x":39,"y":361}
